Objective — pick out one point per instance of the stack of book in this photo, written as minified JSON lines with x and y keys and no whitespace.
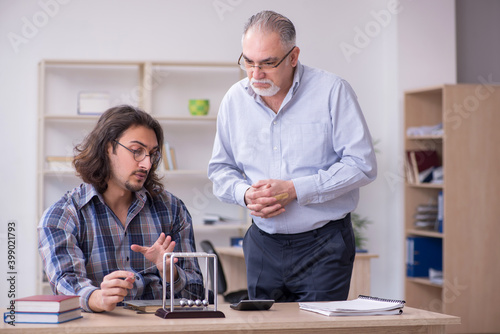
{"x":45,"y":309}
{"x":426,"y":217}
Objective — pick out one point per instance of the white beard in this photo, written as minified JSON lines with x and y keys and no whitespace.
{"x":271,"y":91}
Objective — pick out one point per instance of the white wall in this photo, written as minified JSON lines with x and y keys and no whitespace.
{"x":210,"y":30}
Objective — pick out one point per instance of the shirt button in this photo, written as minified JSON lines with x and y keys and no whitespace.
{"x":128,"y":259}
{"x":275,"y":148}
{"x":275,"y":122}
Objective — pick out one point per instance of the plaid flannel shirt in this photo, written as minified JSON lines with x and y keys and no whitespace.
{"x":81,"y":241}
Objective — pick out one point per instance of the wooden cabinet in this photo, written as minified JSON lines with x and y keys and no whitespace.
{"x":468,"y":149}
{"x":160,"y":88}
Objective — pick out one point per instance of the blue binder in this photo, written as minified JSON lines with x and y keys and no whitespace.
{"x":423,"y":253}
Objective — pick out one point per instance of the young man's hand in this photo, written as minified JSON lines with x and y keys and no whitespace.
{"x":114,"y":288}
{"x":163,"y":245}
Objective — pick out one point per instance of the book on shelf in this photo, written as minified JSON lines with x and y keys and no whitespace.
{"x":425,"y":224}
{"x":47,"y":303}
{"x":168,"y":157}
{"x":60,"y":163}
{"x":410,"y":176}
{"x":42,"y":317}
{"x":173,"y":158}
{"x":426,"y":217}
{"x":93,"y":103}
{"x":436,"y":276}
{"x":440,"y":213}
{"x":422,"y":254}
{"x":427,"y":208}
{"x":363,"y":305}
{"x":59,"y":159}
{"x":423,"y":166}
{"x":425,"y":130}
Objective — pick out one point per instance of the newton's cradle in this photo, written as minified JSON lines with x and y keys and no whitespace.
{"x":189,"y":308}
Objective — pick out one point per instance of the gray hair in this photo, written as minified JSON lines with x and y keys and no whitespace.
{"x":269,"y":21}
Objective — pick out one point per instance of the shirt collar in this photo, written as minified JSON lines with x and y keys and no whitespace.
{"x":89,"y":192}
{"x":299,"y":70}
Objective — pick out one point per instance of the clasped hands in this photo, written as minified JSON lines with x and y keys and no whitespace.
{"x":116,"y":285}
{"x":268,"y":198}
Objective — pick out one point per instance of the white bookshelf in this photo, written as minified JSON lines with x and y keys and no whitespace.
{"x":160,"y":88}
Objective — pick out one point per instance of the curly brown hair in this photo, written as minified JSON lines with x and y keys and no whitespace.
{"x":91,"y":160}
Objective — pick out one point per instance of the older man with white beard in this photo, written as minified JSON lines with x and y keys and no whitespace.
{"x":293,"y":147}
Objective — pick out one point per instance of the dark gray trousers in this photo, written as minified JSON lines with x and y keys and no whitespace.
{"x":310,"y":266}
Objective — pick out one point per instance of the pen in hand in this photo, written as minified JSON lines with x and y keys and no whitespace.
{"x":142,"y":271}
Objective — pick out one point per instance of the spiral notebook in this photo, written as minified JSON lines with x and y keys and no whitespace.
{"x":363,"y":305}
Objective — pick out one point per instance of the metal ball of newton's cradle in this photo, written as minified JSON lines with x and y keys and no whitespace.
{"x":187,"y":302}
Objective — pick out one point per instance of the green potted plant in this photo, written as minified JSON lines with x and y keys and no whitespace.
{"x":359,"y":225}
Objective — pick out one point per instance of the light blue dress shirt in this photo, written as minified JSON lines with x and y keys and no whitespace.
{"x":318,"y":139}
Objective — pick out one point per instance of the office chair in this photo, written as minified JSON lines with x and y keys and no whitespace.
{"x":231,"y":297}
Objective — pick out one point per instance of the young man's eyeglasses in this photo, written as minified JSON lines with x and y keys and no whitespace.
{"x":140,"y":154}
{"x":246,"y":65}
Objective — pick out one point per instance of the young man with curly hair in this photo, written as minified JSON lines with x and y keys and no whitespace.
{"x":104,"y":240}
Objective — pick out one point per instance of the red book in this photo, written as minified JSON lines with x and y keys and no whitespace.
{"x":47,"y":303}
{"x":426,"y":160}
{"x":421,"y":162}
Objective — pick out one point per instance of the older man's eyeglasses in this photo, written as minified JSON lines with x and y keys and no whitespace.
{"x":247,"y":65}
{"x":140,"y":154}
